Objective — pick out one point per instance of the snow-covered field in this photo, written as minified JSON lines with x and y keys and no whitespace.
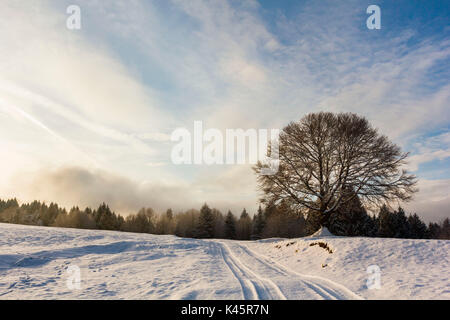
{"x":34,"y":264}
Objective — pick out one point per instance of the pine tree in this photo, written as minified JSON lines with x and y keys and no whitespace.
{"x":230,"y":226}
{"x":105,"y":218}
{"x":258,"y":224}
{"x":386,"y":223}
{"x":219,"y":224}
{"x":205,"y":227}
{"x":417,"y":229}
{"x":371,"y":227}
{"x":244,"y":226}
{"x":351,"y":219}
{"x":445,"y":229}
{"x":433,"y":230}
{"x":11,"y":203}
{"x":401,"y":225}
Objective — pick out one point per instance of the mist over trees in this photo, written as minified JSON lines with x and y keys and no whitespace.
{"x":332,"y":167}
{"x":271,"y":221}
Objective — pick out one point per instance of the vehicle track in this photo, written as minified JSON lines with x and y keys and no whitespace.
{"x":254,"y":287}
{"x":326,"y":287}
{"x":247,"y":266}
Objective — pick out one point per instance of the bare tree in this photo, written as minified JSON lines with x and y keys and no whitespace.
{"x":327,"y":159}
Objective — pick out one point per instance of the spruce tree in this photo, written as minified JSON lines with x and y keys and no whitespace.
{"x":205,"y":227}
{"x":418,"y":229}
{"x":386,"y":223}
{"x":230,"y":226}
{"x":105,"y":218}
{"x":244,"y":229}
{"x":219,"y":224}
{"x":258,"y":224}
{"x":444,"y":232}
{"x":433,"y":230}
{"x":401,"y":225}
{"x":351,"y":219}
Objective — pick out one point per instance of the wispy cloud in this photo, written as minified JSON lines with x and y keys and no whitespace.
{"x":432,"y":148}
{"x":115,"y":89}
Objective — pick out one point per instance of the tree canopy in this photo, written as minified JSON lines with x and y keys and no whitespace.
{"x":327,"y":159}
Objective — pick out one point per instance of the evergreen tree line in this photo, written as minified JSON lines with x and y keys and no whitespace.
{"x":272,"y":221}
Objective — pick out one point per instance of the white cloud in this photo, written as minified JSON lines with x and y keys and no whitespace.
{"x":70,"y":88}
{"x":433,"y":200}
{"x":137,"y":70}
{"x":433,"y":148}
{"x":154,"y":136}
{"x":156,"y":164}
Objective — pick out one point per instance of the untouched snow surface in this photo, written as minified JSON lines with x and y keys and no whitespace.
{"x":34,"y":264}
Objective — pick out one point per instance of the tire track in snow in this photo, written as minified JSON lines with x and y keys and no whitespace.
{"x":326,"y":288}
{"x":254,"y":287}
{"x":320,"y":292}
{"x":247,"y":288}
{"x":324,"y":293}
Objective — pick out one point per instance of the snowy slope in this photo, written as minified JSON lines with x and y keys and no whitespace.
{"x":34,"y":263}
{"x":409,"y":269}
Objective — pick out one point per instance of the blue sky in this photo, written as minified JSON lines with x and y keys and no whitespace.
{"x":98,"y":104}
